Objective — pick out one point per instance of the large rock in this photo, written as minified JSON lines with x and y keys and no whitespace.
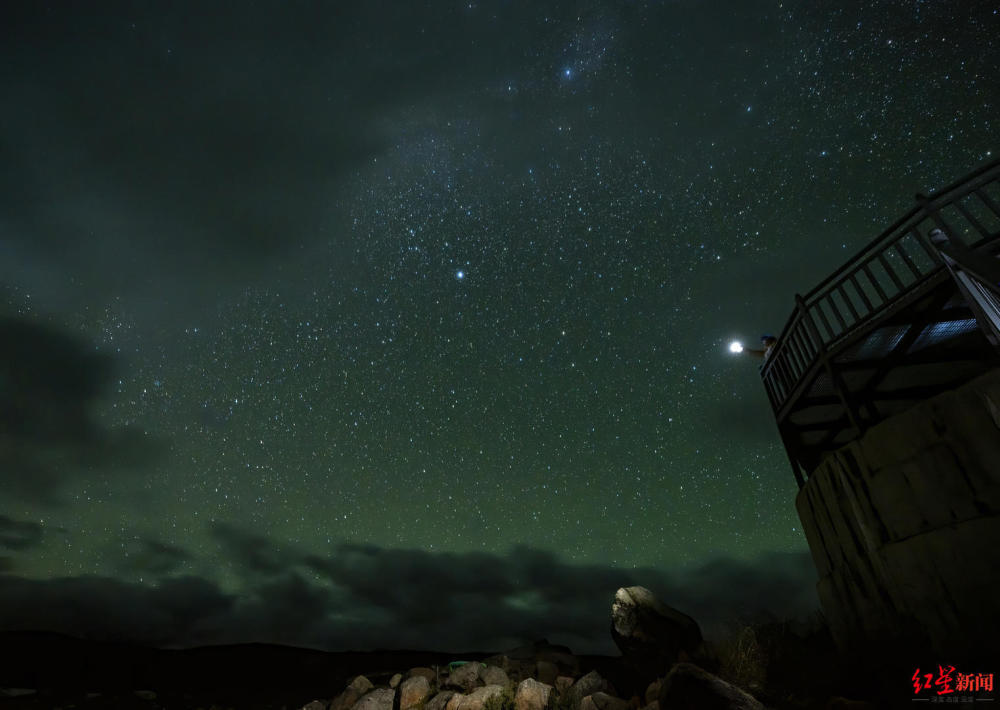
{"x":465,"y":677}
{"x":688,"y":687}
{"x":439,"y":701}
{"x":378,"y":699}
{"x":588,"y":685}
{"x":478,"y":697}
{"x":650,"y":634}
{"x":492,"y":675}
{"x":653,"y":691}
{"x":352,"y":693}
{"x":427,"y":673}
{"x":454,"y":701}
{"x":413,"y":692}
{"x":500,"y":660}
{"x":542,"y":650}
{"x":603,"y":701}
{"x":532,"y":695}
{"x":361,"y":684}
{"x":547,"y":672}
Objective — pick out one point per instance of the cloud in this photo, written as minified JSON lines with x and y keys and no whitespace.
{"x":18,"y":534}
{"x":49,"y":383}
{"x":154,"y":557}
{"x":254,"y":554}
{"x":189,"y":161}
{"x":362,"y":597}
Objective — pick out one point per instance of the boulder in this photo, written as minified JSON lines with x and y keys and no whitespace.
{"x":429,"y":673}
{"x":500,"y":661}
{"x":653,"y":691}
{"x":491,"y":675}
{"x":439,"y":701}
{"x":547,"y":672}
{"x":544,"y":651}
{"x":395,"y":680}
{"x":603,"y":701}
{"x":532,"y":695}
{"x":454,"y":701}
{"x":688,"y":687}
{"x":314,"y":705}
{"x":465,"y":677}
{"x":413,"y":692}
{"x":361,"y":685}
{"x":378,"y":699}
{"x":588,"y":685}
{"x":563,"y":683}
{"x":655,"y":705}
{"x":352,"y":693}
{"x":478,"y":697}
{"x":520,"y":670}
{"x":650,"y":634}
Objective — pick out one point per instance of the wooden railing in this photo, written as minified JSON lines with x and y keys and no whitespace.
{"x":898,"y":264}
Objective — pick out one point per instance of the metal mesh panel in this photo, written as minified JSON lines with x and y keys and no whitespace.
{"x":822,"y":385}
{"x":940,"y":332}
{"x":879,"y":344}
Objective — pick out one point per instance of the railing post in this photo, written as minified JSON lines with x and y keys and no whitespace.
{"x":839,"y":386}
{"x":978,"y":279}
{"x":984,"y":268}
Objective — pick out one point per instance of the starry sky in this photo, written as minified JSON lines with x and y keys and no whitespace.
{"x":404,"y":324}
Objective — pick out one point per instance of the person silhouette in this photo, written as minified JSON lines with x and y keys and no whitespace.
{"x":768,"y":341}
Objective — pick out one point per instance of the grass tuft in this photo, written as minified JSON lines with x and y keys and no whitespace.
{"x":500,"y":701}
{"x":743,"y":659}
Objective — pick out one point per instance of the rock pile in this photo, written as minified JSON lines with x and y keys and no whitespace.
{"x":665,"y":665}
{"x":539,"y":677}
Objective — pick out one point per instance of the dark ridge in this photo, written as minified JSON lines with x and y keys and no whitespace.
{"x":252,"y":675}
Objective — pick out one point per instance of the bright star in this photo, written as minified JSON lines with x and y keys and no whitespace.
{"x":459,"y":275}
{"x":736,"y":347}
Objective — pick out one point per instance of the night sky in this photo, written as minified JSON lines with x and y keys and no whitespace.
{"x":404,"y":323}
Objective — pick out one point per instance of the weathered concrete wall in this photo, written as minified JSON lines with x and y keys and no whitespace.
{"x":904,"y":525}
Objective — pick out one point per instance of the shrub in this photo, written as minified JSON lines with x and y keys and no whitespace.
{"x":742,"y":659}
{"x":500,"y":701}
{"x":559,"y":701}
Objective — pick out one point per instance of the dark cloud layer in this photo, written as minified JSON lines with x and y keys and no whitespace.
{"x":363,"y":597}
{"x":168,"y":159}
{"x":50,"y":382}
{"x":19,"y":534}
{"x":173,"y":161}
{"x":154,"y":557}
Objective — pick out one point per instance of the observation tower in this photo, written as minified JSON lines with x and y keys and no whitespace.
{"x":885,"y":385}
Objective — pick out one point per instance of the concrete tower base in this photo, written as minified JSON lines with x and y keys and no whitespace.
{"x":904,"y":528}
